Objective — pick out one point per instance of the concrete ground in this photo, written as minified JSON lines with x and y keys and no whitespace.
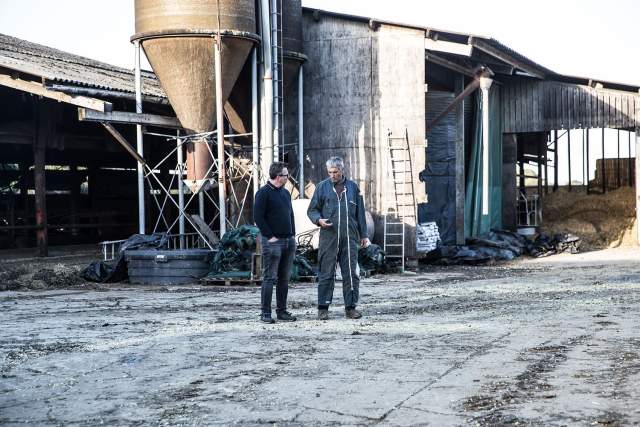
{"x":552,"y":341}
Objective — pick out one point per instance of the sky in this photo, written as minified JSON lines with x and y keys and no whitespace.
{"x":581,"y":38}
{"x":587,"y":38}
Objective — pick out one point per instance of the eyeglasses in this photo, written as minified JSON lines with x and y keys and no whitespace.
{"x":284,"y":175}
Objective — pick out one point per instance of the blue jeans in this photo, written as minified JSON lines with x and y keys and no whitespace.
{"x":277,"y":260}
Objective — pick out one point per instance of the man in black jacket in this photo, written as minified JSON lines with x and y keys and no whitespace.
{"x":273,"y":214}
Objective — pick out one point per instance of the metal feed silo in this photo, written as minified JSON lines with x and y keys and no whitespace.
{"x":178,"y":39}
{"x":292,"y":40}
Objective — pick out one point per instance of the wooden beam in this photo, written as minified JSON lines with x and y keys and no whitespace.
{"x":503,"y":56}
{"x":43,"y":128}
{"x":85,"y":115}
{"x":37,"y":89}
{"x":448,"y":47}
{"x":471,"y":87}
{"x":122,"y":141}
{"x":459,"y":162}
{"x":431,"y":57}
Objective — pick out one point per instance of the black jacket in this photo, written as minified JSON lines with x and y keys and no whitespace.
{"x":272,"y":212}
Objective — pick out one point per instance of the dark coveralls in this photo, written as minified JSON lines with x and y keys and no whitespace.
{"x":340,"y":242}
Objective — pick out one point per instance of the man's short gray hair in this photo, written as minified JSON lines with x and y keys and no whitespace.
{"x":335,"y":162}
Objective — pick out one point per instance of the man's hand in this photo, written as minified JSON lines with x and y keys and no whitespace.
{"x":365,"y":242}
{"x":273,"y":239}
{"x":324,"y":223}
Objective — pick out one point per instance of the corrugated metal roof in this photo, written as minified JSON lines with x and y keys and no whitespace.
{"x":462,"y":37}
{"x":454,"y":34}
{"x":63,"y":67}
{"x":506,"y":49}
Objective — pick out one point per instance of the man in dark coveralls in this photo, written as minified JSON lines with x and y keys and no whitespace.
{"x":273,"y":214}
{"x":337,"y":207}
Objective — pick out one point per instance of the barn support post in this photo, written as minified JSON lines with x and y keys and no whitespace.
{"x":629,"y":163}
{"x":587,"y":161}
{"x":42,"y":129}
{"x":546,"y":165}
{"x":618,"y":162}
{"x":637,"y":185}
{"x":569,"y":155}
{"x":139,"y":139}
{"x":539,"y":153}
{"x":555,"y":160}
{"x":460,"y":174}
{"x":584,"y":168}
{"x":604,"y":167}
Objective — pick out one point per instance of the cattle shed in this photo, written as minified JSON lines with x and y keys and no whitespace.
{"x":378,"y":78}
{"x":61,"y":180}
{"x":469,"y":111}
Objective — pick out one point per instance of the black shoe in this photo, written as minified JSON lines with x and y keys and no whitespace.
{"x":266,"y":318}
{"x":285,"y":316}
{"x":352,"y":313}
{"x":323,"y":314}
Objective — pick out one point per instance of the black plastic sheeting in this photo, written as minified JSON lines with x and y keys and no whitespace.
{"x":103,"y":272}
{"x":372,"y":258}
{"x":440,"y":172}
{"x":500,"y":245}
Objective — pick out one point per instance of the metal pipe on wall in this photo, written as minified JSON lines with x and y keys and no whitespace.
{"x":485,"y":85}
{"x":267,"y":82}
{"x":222,"y":197}
{"x":301,"y":132}
{"x":276,"y":70}
{"x":139,"y":140}
{"x":254,"y":120}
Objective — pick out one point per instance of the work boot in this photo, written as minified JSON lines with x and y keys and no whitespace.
{"x":266,"y":318}
{"x":352,"y":313}
{"x":323,"y":314}
{"x":285,"y":316}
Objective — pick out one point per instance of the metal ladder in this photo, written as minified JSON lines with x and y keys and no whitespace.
{"x":278,"y":77}
{"x":401,"y":204}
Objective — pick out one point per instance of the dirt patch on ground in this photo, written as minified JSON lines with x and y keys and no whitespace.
{"x":601,"y":220}
{"x":56,"y":276}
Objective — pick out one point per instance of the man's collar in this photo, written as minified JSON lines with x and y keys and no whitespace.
{"x":344,"y":178}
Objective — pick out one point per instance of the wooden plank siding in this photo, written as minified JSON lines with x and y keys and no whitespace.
{"x":538,"y":106}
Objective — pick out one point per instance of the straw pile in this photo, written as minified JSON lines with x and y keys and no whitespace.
{"x":601,"y":220}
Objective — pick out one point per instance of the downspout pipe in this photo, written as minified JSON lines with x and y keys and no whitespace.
{"x":254,"y":120}
{"x":301,"y":132}
{"x":485,"y":85}
{"x":222,"y":173}
{"x":267,"y":81}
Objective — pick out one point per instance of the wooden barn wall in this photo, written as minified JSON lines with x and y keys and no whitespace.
{"x":530,"y":105}
{"x":359,"y":84}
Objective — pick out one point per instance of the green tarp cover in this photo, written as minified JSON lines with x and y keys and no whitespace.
{"x":477,"y":224}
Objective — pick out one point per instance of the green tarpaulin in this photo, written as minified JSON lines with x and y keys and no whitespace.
{"x":476,"y":223}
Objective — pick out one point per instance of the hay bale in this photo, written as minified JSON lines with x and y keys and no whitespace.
{"x":601,"y":220}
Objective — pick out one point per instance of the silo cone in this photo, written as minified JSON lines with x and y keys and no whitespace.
{"x":238,"y":107}
{"x":178,"y":39}
{"x":291,"y":41}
